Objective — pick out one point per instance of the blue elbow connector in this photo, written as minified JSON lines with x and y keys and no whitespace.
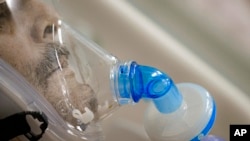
{"x":135,"y":82}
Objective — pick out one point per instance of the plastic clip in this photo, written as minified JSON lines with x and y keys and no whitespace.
{"x":16,"y":124}
{"x":40,"y":116}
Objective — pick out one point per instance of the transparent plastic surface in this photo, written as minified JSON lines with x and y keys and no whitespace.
{"x":90,"y":68}
{"x":192,"y":121}
{"x":212,"y":138}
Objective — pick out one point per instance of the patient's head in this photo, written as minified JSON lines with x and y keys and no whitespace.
{"x":25,"y":36}
{"x":27,"y":28}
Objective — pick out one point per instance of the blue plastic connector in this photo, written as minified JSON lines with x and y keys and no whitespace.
{"x":135,"y":82}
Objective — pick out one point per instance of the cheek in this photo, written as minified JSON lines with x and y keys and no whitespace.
{"x":9,"y":49}
{"x":18,"y":52}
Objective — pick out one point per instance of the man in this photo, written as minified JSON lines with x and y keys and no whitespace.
{"x":27,"y":32}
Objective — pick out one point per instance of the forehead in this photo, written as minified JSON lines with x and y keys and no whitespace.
{"x":25,"y":5}
{"x":24,"y":13}
{"x":28,"y":8}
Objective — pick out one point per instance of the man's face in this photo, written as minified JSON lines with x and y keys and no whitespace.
{"x":25,"y":31}
{"x":27,"y":28}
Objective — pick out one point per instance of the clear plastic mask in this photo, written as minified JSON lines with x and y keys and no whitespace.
{"x":70,"y":72}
